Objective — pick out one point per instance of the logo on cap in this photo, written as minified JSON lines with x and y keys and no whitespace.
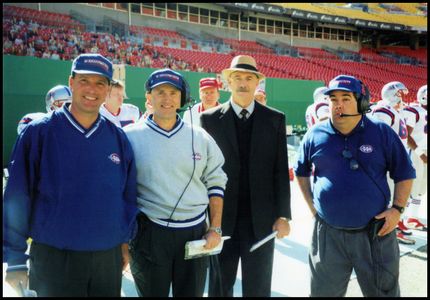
{"x":170,"y":76}
{"x":343,"y":81}
{"x":208,"y":82}
{"x":96,"y":62}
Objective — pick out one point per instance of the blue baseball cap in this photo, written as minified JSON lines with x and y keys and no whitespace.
{"x":165,"y":76}
{"x":92,"y":63}
{"x":344,"y":83}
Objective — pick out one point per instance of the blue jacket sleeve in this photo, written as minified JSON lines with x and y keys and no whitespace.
{"x":17,"y":200}
{"x":130,"y":193}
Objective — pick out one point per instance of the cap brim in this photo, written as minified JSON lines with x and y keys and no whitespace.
{"x":91,"y":72}
{"x":208,"y":86}
{"x":337,"y":89}
{"x":226,"y":73}
{"x":118,"y":82}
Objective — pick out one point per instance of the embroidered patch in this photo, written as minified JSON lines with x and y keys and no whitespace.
{"x":115,"y":158}
{"x":197,"y":156}
{"x":366,"y":148}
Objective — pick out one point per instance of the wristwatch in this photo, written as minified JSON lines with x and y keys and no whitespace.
{"x":216,"y":229}
{"x":399,"y":208}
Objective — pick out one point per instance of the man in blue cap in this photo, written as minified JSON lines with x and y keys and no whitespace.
{"x":179,"y":176}
{"x":72,"y":190}
{"x":354,"y":222}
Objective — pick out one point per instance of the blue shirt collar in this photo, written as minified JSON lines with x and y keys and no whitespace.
{"x":87,"y":132}
{"x":360,"y":126}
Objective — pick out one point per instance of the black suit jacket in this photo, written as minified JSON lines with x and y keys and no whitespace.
{"x":268,"y":165}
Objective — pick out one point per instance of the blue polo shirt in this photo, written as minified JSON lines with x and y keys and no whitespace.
{"x":349,"y":198}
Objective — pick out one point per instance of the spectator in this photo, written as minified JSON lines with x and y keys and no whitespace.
{"x":46,"y":54}
{"x":55,"y":56}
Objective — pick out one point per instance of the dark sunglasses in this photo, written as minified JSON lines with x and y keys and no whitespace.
{"x":353,"y":164}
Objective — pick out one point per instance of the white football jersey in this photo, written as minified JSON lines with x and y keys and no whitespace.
{"x":195,"y":112}
{"x":315,"y":112}
{"x":27,"y":119}
{"x":416,"y":117}
{"x":396,"y":120}
{"x":128,"y":114}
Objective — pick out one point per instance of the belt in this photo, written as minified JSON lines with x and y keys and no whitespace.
{"x":349,"y":230}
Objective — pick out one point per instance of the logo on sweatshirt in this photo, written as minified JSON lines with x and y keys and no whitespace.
{"x":115,"y":158}
{"x":197,"y":156}
{"x":366,"y":148}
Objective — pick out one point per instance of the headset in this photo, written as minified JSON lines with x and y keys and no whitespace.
{"x":363,"y":105}
{"x":363,"y":99}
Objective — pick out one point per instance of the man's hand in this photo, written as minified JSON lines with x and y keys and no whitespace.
{"x":282,"y":226}
{"x":14,"y":278}
{"x":424,"y":158}
{"x":212,"y":239}
{"x":125,"y":256}
{"x":392,"y":217}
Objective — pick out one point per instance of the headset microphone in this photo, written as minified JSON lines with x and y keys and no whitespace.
{"x":347,"y":115}
{"x":191,"y":104}
{"x":179,"y":110}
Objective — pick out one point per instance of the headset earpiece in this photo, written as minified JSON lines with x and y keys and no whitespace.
{"x":185,"y":93}
{"x":363,"y":99}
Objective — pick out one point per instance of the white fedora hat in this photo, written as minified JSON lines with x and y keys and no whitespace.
{"x":242,"y":63}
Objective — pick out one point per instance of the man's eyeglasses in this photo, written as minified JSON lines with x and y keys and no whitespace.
{"x":353,"y":164}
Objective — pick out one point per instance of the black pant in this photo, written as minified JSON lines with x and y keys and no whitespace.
{"x":157,"y":260}
{"x":66,"y":273}
{"x":256,"y":266}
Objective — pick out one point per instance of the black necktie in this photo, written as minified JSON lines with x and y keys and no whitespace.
{"x":243,"y":114}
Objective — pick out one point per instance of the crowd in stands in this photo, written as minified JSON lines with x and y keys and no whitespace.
{"x":64,"y":43}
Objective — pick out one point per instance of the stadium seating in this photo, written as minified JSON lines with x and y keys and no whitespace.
{"x":41,"y":17}
{"x":247,"y":46}
{"x":315,"y":52}
{"x":420,"y":54}
{"x":155,"y":32}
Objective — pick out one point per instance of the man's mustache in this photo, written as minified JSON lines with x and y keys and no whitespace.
{"x":242,"y":90}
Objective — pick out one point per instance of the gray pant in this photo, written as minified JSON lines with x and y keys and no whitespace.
{"x":335,"y":252}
